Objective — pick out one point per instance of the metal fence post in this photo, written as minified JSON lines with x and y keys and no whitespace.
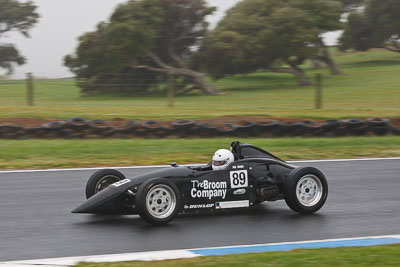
{"x":170,"y":92}
{"x":318,"y":91}
{"x":29,"y":89}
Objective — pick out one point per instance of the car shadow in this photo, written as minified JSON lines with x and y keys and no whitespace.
{"x":263,"y":212}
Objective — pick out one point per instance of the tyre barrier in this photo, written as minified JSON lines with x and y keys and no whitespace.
{"x":183,"y":128}
{"x":54,"y":125}
{"x":10,"y":131}
{"x":100,"y":127}
{"x":204,"y":129}
{"x":77,"y":123}
{"x":355,"y":126}
{"x":333,"y":128}
{"x":267,"y":127}
{"x":82,"y":128}
{"x":154,"y":129}
{"x":395,"y":131}
{"x":247,"y":129}
{"x":379,"y":126}
{"x":309,"y":128}
{"x":228,"y":129}
{"x":128,"y":128}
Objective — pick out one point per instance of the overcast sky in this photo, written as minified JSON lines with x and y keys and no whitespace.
{"x":60,"y":25}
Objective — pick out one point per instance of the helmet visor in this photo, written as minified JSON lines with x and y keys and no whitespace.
{"x":219,"y":162}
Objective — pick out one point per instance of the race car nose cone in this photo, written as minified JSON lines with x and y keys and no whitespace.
{"x":79,"y":209}
{"x":99,"y":203}
{"x":84,"y":208}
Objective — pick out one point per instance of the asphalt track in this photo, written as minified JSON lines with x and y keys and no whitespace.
{"x":35,"y":218}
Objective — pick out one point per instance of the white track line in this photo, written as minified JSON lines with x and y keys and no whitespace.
{"x":343,"y":160}
{"x":197,"y":164}
{"x":160,"y":255}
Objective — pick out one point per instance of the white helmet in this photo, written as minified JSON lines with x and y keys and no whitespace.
{"x":221,"y":159}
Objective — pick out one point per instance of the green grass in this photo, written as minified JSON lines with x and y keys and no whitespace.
{"x":387,"y":255}
{"x":370,"y":88}
{"x":126,"y":152}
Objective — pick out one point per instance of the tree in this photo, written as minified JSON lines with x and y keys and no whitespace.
{"x":263,"y":34}
{"x":143,"y":42}
{"x":384,"y":18}
{"x":325,"y":15}
{"x":358,"y":33}
{"x":349,"y":5}
{"x":324,"y":56}
{"x":15,"y":16}
{"x":378,"y":25}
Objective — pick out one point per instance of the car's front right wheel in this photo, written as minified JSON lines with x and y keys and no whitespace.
{"x":306,"y":190}
{"x":102,"y":179}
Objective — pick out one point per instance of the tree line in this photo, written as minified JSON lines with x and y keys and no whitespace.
{"x":147,"y":42}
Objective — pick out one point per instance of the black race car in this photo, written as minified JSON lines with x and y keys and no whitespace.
{"x":254,"y":176}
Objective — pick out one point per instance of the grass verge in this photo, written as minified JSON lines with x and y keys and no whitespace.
{"x":370,"y":88}
{"x":35,"y":154}
{"x":387,"y":255}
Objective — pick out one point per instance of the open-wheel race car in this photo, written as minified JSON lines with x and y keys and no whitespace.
{"x":251,"y":177}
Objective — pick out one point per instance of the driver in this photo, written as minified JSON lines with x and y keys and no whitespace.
{"x":221,"y":159}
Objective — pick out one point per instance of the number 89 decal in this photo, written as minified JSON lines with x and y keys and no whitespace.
{"x":238,"y":178}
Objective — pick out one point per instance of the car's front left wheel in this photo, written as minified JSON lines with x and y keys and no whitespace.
{"x":306,"y":190}
{"x":158,"y":201}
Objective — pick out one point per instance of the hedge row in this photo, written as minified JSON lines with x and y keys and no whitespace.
{"x":82,"y":128}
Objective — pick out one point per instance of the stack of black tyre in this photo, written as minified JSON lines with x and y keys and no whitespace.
{"x":83,"y":128}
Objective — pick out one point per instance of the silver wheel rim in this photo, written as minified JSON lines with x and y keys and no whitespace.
{"x":105,"y":181}
{"x":309,"y":190}
{"x":161,"y":201}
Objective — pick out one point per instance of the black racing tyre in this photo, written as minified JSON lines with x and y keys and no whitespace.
{"x":378,"y":126}
{"x":333,"y":128}
{"x":182,"y":128}
{"x":353,"y":123}
{"x":380,"y":130}
{"x":152,"y":129}
{"x":267,"y":127}
{"x":158,"y":201}
{"x":152,"y":125}
{"x":77,"y":123}
{"x":54,"y":125}
{"x":109,"y":133}
{"x":102,"y":179}
{"x":229,"y":129}
{"x":395,"y":131}
{"x":248,"y":129}
{"x":99,"y":126}
{"x":34,"y":130}
{"x":129,"y":128}
{"x":66,"y":132}
{"x":378,"y":122}
{"x":10,"y":128}
{"x":183,"y":124}
{"x":206,"y":130}
{"x":331,"y":125}
{"x":289,"y":129}
{"x":358,"y":131}
{"x":305,"y":190}
{"x":309,"y":127}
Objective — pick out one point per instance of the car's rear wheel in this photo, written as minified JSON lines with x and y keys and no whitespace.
{"x":102,"y":179}
{"x":306,"y":190}
{"x":158,"y":201}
